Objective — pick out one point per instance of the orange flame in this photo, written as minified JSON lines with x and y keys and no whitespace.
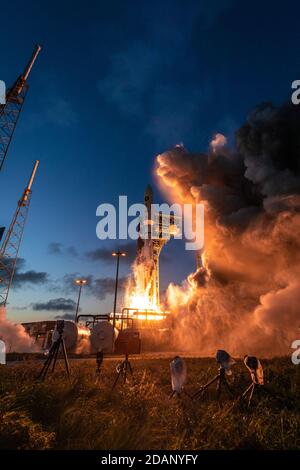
{"x":138,"y":296}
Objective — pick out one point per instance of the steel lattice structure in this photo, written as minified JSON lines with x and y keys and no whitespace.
{"x":10,"y":112}
{"x":9,"y":115}
{"x":11,"y":244}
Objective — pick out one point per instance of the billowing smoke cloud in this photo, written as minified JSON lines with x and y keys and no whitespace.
{"x":246,"y":296}
{"x":218,"y":142}
{"x":14,"y":336}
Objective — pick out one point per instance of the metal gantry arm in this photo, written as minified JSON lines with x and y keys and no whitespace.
{"x":10,"y":248}
{"x":10,"y":111}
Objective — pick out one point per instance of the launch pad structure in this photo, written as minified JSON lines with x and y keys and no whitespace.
{"x":156,"y":231}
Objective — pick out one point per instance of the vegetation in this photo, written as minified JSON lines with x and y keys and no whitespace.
{"x":82,"y":414}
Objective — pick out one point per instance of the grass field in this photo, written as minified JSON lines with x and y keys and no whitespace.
{"x":80,"y":414}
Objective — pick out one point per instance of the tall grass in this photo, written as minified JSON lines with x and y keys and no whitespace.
{"x":80,"y":414}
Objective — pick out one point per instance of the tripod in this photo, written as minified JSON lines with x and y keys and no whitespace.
{"x":99,"y":360}
{"x":53,"y":353}
{"x":221,"y":381}
{"x":256,"y":386}
{"x":178,"y":394}
{"x":122,"y":370}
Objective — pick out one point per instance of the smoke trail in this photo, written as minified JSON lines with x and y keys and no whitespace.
{"x":246,"y":297}
{"x":15,"y":337}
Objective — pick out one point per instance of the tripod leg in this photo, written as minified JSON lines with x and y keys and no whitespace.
{"x":55,"y":354}
{"x":65,"y":357}
{"x":187,"y":394}
{"x":46,"y":365}
{"x":211,"y":382}
{"x":48,"y":362}
{"x":240,"y":397}
{"x":228,"y":387}
{"x":246,"y":391}
{"x":199,"y":392}
{"x":125,"y":372}
{"x":130,"y":368}
{"x":98,"y":371}
{"x":219,"y":388}
{"x":251,"y":395}
{"x":116,"y":380}
{"x":204,"y":387}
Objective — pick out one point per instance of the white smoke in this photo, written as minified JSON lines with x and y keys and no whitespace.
{"x":14,"y":336}
{"x":218,"y":142}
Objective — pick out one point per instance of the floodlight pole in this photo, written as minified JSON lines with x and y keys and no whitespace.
{"x":117,"y":254}
{"x":80,"y":282}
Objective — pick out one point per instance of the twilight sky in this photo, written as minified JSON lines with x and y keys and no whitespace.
{"x":117,"y":83}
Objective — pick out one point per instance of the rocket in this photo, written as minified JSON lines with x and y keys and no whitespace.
{"x":148,"y":249}
{"x":148,"y":199}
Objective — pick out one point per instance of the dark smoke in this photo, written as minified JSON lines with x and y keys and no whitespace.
{"x":247,"y":295}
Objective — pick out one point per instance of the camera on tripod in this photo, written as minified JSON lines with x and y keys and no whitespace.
{"x":60,"y":325}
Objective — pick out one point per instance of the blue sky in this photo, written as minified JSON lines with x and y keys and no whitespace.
{"x":117,"y":83}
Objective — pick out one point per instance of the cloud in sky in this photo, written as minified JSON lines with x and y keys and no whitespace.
{"x":65,"y":316}
{"x":28,"y":278}
{"x":59,"y":304}
{"x":57,"y":248}
{"x":67,"y":283}
{"x":130,"y":75}
{"x":98,"y":254}
{"x":105,"y":254}
{"x":56,"y":111}
{"x":60,"y":112}
{"x":102,"y":287}
{"x":97,"y":287}
{"x":153,"y":78}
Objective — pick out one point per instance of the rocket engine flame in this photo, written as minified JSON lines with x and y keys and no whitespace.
{"x":138,"y":293}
